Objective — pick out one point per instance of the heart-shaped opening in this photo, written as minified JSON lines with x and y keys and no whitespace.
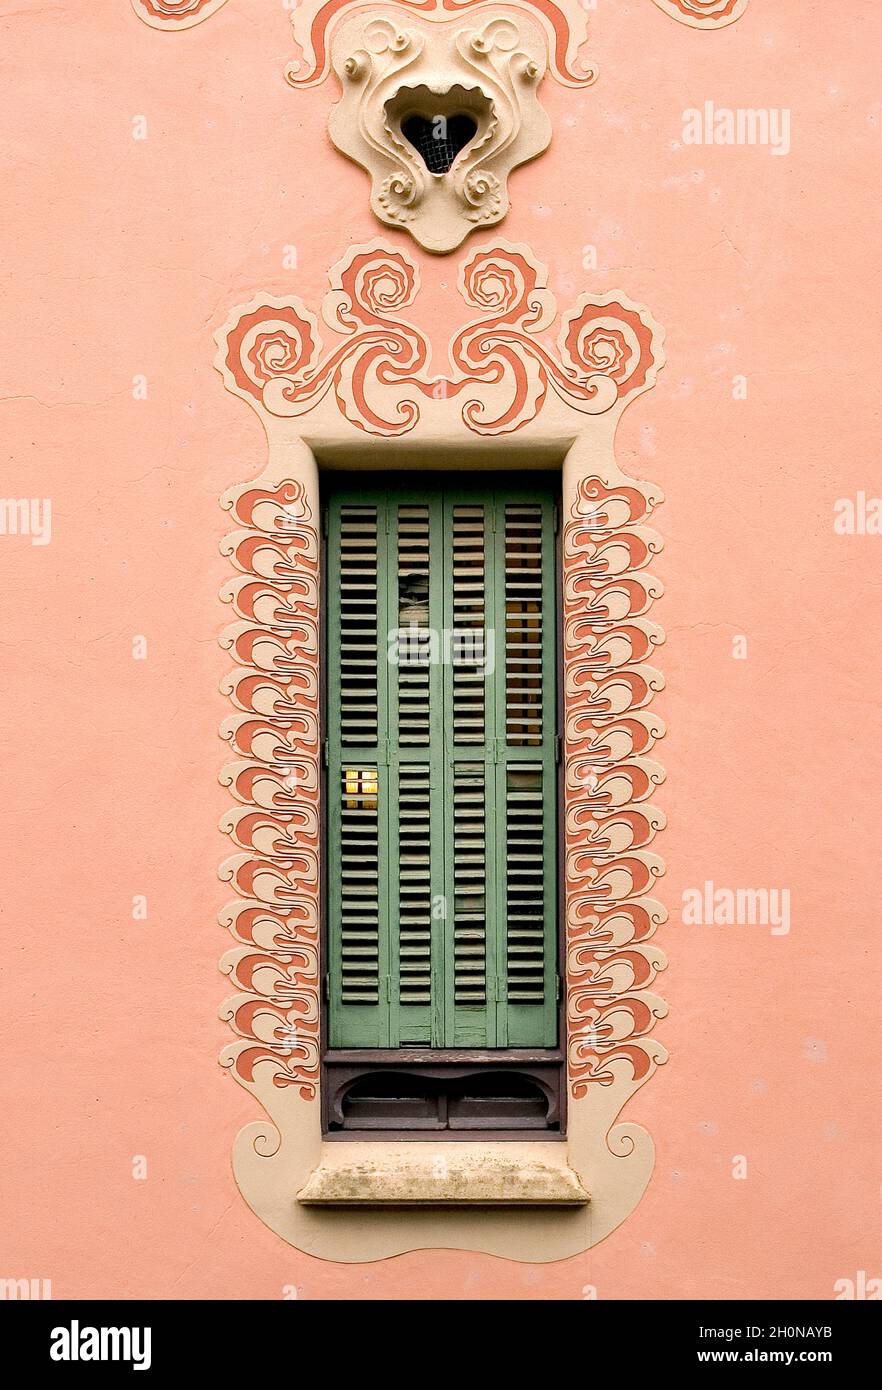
{"x":439,"y":139}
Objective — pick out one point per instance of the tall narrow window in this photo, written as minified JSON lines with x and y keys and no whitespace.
{"x":441,"y":787}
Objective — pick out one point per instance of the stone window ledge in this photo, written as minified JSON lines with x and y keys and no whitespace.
{"x":417,"y":1175}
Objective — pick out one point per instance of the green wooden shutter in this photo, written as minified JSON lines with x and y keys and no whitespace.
{"x":441,"y":790}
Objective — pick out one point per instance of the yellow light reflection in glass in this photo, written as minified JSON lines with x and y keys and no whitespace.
{"x":360,"y":786}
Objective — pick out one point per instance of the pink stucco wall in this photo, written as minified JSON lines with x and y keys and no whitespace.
{"x":125,"y":255}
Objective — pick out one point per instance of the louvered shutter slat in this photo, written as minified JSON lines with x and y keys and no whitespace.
{"x":528,"y":785}
{"x":359,"y":887}
{"x":468,"y":563}
{"x":412,"y":604}
{"x":469,"y":884}
{"x":358,"y":673}
{"x":358,"y":893}
{"x":414,"y":885}
{"x":524,"y":623}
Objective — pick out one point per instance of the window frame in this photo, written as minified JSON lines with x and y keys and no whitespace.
{"x":546,"y":1067}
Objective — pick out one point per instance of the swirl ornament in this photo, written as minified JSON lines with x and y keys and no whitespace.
{"x":609,"y":348}
{"x":270,"y":350}
{"x":564,"y":22}
{"x":704,"y":14}
{"x":175,"y":14}
{"x":378,"y":374}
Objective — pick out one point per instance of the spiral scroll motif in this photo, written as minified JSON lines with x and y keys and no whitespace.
{"x":504,"y":371}
{"x":175,"y":14}
{"x":704,"y":14}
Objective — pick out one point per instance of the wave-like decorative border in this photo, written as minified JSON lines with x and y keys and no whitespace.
{"x":274,"y":730}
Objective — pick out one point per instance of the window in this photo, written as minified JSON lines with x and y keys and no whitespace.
{"x":441,"y":803}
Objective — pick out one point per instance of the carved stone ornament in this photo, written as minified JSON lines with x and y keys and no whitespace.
{"x":403,"y":74}
{"x":372,"y":397}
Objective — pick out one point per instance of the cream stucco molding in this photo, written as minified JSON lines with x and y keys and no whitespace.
{"x":393,"y":70}
{"x":565,"y":23}
{"x":373,"y":387}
